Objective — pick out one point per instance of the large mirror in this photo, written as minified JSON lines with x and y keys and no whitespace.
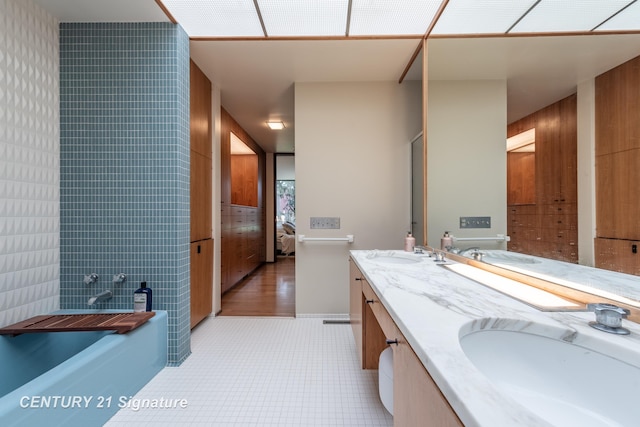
{"x":537,"y":72}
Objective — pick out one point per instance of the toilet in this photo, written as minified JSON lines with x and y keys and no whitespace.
{"x":385,"y":379}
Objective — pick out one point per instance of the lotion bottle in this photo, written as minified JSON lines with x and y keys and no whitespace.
{"x":446,"y":241}
{"x":142,"y":298}
{"x":409,"y":242}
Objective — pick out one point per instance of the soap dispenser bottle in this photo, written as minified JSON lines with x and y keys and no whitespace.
{"x":409,"y":242}
{"x":142,"y":298}
{"x":446,"y":241}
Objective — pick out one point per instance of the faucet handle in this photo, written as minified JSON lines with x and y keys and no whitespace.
{"x":119,"y":278}
{"x":608,"y":316}
{"x":90,"y":278}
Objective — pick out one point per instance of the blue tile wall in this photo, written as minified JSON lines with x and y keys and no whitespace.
{"x":124,"y":167}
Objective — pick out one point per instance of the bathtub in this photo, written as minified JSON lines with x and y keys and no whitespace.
{"x":77,"y":378}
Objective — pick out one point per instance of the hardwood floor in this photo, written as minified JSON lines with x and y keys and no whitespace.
{"x":268,"y":291}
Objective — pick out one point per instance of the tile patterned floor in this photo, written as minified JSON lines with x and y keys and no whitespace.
{"x":264,"y":372}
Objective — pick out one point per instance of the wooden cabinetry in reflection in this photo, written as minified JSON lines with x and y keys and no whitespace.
{"x":618,"y":168}
{"x":546,"y":223}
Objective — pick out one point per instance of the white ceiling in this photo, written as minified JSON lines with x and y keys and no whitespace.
{"x":256,"y":76}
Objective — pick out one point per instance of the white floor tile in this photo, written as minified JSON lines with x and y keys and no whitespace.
{"x":264,"y":372}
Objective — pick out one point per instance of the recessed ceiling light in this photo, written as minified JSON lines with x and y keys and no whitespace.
{"x":275,"y":124}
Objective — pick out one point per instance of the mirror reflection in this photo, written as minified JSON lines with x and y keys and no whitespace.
{"x":568,"y":196}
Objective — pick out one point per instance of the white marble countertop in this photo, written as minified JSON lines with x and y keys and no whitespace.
{"x":593,"y":280}
{"x":433,"y":307}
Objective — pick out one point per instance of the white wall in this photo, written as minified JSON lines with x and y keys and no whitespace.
{"x":466,"y":158}
{"x":352,"y":162}
{"x":270,"y":254}
{"x":216,"y":211}
{"x":586,"y":172}
{"x":29,"y":162}
{"x":285,"y":168}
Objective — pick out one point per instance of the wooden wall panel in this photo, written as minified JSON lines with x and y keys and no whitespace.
{"x":200,"y":111}
{"x":618,"y":109}
{"x":244,"y":180}
{"x":521,"y":176}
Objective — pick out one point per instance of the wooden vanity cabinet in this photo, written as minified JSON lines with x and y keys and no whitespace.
{"x":370,"y":340}
{"x":417,"y":399}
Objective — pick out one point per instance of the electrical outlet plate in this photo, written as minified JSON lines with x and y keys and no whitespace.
{"x":325,"y":222}
{"x":475,"y":222}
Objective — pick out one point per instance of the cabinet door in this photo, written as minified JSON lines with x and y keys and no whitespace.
{"x":355,"y":306}
{"x":618,"y":195}
{"x":618,"y":255}
{"x":417,"y":400}
{"x":201,"y":197}
{"x":201,"y":280}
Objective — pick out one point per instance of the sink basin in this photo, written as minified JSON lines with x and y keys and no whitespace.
{"x":563,"y":383}
{"x":388,"y":259}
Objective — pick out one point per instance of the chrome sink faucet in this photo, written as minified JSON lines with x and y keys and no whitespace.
{"x":609,"y":318}
{"x":463,"y":251}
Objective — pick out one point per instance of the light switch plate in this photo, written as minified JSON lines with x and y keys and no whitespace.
{"x":325,"y":222}
{"x":475,"y":222}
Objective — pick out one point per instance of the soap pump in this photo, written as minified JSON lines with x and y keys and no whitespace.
{"x":142,"y":298}
{"x":446,"y":241}
{"x":409,"y":242}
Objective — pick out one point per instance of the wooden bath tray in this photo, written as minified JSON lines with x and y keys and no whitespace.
{"x":121,"y":323}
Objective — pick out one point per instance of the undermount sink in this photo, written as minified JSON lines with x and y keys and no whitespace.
{"x":563,"y":383}
{"x":399,"y":259}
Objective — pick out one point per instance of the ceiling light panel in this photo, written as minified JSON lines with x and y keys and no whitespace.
{"x":384,"y":17}
{"x":304,"y":18}
{"x":480,"y":17}
{"x":625,"y":20}
{"x":568,"y":15}
{"x":219,"y":18}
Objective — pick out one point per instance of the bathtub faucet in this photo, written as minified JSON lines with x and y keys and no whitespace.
{"x":90,"y":278}
{"x":102,"y":296}
{"x":119,"y":278}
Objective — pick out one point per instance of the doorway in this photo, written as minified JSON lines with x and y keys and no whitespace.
{"x":270,"y":289}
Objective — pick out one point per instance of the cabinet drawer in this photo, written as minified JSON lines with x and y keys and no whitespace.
{"x":522,"y":209}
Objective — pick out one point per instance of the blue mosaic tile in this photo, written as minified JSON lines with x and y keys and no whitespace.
{"x":124,"y":160}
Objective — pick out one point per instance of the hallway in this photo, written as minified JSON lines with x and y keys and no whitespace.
{"x":269,"y":291}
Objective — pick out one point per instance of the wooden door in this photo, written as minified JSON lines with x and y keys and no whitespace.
{"x":201,"y":280}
